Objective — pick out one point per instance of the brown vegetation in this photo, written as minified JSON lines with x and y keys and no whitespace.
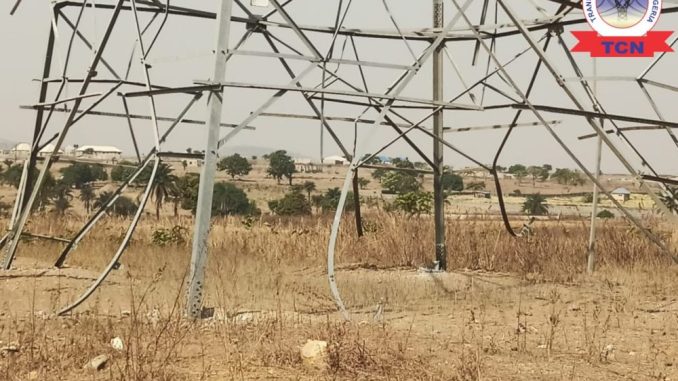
{"x":508,"y":309}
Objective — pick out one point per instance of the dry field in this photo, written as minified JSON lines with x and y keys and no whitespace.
{"x":507,"y":309}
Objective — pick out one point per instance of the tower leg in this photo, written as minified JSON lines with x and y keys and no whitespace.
{"x":196,"y":278}
{"x":438,"y":148}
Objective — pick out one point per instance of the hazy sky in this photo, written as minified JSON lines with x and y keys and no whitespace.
{"x":182,"y":55}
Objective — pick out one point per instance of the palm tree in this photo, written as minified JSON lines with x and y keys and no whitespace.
{"x":163,"y":187}
{"x":61,"y":196}
{"x":535,"y":205}
{"x":670,"y":198}
{"x":176,"y":196}
{"x":87,"y":195}
{"x":309,"y":187}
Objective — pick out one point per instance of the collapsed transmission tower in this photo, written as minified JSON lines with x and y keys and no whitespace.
{"x":326,"y":68}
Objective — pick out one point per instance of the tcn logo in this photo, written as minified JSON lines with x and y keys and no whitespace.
{"x":623,"y":28}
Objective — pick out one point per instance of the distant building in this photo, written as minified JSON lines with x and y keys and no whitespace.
{"x":621,"y":194}
{"x":335,"y":160}
{"x":20,"y":151}
{"x":70,"y":150}
{"x":193,"y":163}
{"x":99,"y":152}
{"x":49,"y":150}
{"x":305,"y":165}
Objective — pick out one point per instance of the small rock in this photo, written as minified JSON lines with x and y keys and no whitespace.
{"x":313,"y":353}
{"x":117,"y":344}
{"x":97,"y":363}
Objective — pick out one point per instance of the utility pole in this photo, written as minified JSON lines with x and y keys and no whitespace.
{"x":203,"y":216}
{"x":594,"y":213}
{"x":438,"y":148}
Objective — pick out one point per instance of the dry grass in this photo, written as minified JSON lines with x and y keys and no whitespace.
{"x":510,"y":309}
{"x":556,"y":252}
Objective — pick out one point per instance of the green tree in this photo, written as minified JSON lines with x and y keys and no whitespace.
{"x":163,"y":186}
{"x":400,"y":182}
{"x":669,"y":197}
{"x":605,"y":214}
{"x":363,"y":182}
{"x":12,"y":176}
{"x":308,"y":187}
{"x":78,"y":174}
{"x":402,"y":163}
{"x":378,"y":174}
{"x":517,"y":168}
{"x":292,"y":204}
{"x":187,"y":191}
{"x":123,"y":206}
{"x":537,"y":173}
{"x":330,"y":201}
{"x":414,"y":203}
{"x":122,"y":171}
{"x":566,"y":176}
{"x":184,"y":165}
{"x":317,"y":201}
{"x":229,"y":200}
{"x":476,"y":186}
{"x":235,"y":165}
{"x":280,"y":165}
{"x":520,"y":175}
{"x":452,"y":182}
{"x":535,"y":205}
{"x":61,"y":196}
{"x":561,"y":176}
{"x":87,"y":196}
